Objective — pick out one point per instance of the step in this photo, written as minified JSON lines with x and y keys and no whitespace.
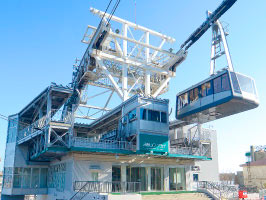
{"x":182,"y":196}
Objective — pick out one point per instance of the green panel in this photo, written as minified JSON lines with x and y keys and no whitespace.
{"x":148,"y":142}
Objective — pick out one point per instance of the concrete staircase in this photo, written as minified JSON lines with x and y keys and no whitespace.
{"x":182,"y":196}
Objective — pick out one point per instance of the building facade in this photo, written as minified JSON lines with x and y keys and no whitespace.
{"x":132,"y":148}
{"x":254,"y":170}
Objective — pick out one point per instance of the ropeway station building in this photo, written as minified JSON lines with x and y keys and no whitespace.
{"x":65,"y":145}
{"x":54,"y":157}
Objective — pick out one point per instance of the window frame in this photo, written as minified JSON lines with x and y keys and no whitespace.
{"x":162,"y":117}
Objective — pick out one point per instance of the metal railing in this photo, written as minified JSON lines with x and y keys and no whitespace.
{"x":61,"y":116}
{"x":186,"y":151}
{"x":218,"y":190}
{"x":106,"y":144}
{"x":107,"y":187}
{"x":37,"y":125}
{"x":54,"y":116}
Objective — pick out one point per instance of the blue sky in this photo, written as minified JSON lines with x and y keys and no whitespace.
{"x":39,"y":41}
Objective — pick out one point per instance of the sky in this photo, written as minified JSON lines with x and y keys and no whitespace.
{"x":39,"y":41}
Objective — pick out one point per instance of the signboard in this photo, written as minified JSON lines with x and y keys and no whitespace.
{"x":242,"y":194}
{"x":152,"y":142}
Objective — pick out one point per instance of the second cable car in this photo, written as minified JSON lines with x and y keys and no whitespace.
{"x":223,"y":94}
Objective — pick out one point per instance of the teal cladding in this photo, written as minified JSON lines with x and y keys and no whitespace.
{"x":152,"y":142}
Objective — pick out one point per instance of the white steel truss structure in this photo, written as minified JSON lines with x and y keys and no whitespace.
{"x":125,"y":58}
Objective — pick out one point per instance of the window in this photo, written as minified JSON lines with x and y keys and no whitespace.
{"x":185,"y":99}
{"x":191,"y":96}
{"x":94,"y":176}
{"x":225,"y":83}
{"x":143,"y":113}
{"x":132,"y":115}
{"x":209,"y":90}
{"x":56,"y":176}
{"x":163,"y":117}
{"x":246,"y":84}
{"x":7,"y":177}
{"x":203,"y":90}
{"x":217,"y":84}
{"x":235,"y":82}
{"x":43,"y":182}
{"x":196,"y":94}
{"x":154,"y":115}
{"x":195,"y":177}
{"x":35,"y":178}
{"x":149,"y":115}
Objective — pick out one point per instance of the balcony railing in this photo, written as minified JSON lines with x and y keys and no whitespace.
{"x":37,"y":125}
{"x":186,"y":151}
{"x":54,"y":116}
{"x":61,"y":116}
{"x":106,"y":144}
{"x":107,"y":187}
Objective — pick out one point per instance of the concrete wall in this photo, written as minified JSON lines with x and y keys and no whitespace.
{"x":258,"y":176}
{"x":209,"y":170}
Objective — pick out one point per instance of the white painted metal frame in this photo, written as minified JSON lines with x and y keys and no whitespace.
{"x":144,"y":68}
{"x":152,"y":63}
{"x":218,"y":37}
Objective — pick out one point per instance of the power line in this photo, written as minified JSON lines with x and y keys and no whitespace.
{"x":113,"y":11}
{"x":3,"y":117}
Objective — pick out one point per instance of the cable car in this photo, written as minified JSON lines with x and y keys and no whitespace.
{"x":222,"y":94}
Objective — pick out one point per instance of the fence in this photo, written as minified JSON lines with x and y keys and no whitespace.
{"x":106,"y":144}
{"x":107,"y":187}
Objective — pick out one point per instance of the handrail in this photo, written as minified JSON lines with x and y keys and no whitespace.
{"x":107,"y":187}
{"x":54,"y":116}
{"x":219,"y":190}
{"x":106,"y":144}
{"x":79,"y":191}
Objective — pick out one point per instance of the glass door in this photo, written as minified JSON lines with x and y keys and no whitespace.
{"x":156,"y":179}
{"x":137,"y":174}
{"x":116,"y":179}
{"x":177,"y":180}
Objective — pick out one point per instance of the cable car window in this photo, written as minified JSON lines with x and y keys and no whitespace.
{"x":203,"y":90}
{"x":255,"y":92}
{"x":209,"y":90}
{"x":196,"y":94}
{"x":191,"y":96}
{"x":235,"y":83}
{"x":185,"y":99}
{"x":179,"y":103}
{"x":217,"y":85}
{"x":163,"y":117}
{"x":143,"y":113}
{"x":245,"y":83}
{"x":225,"y":83}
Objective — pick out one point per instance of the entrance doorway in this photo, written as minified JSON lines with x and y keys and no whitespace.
{"x":137,"y":174}
{"x":177,"y":179}
{"x":116,"y":179}
{"x":156,"y":178}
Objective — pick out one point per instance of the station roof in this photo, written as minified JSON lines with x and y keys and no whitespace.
{"x":59,"y":95}
{"x":255,"y":163}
